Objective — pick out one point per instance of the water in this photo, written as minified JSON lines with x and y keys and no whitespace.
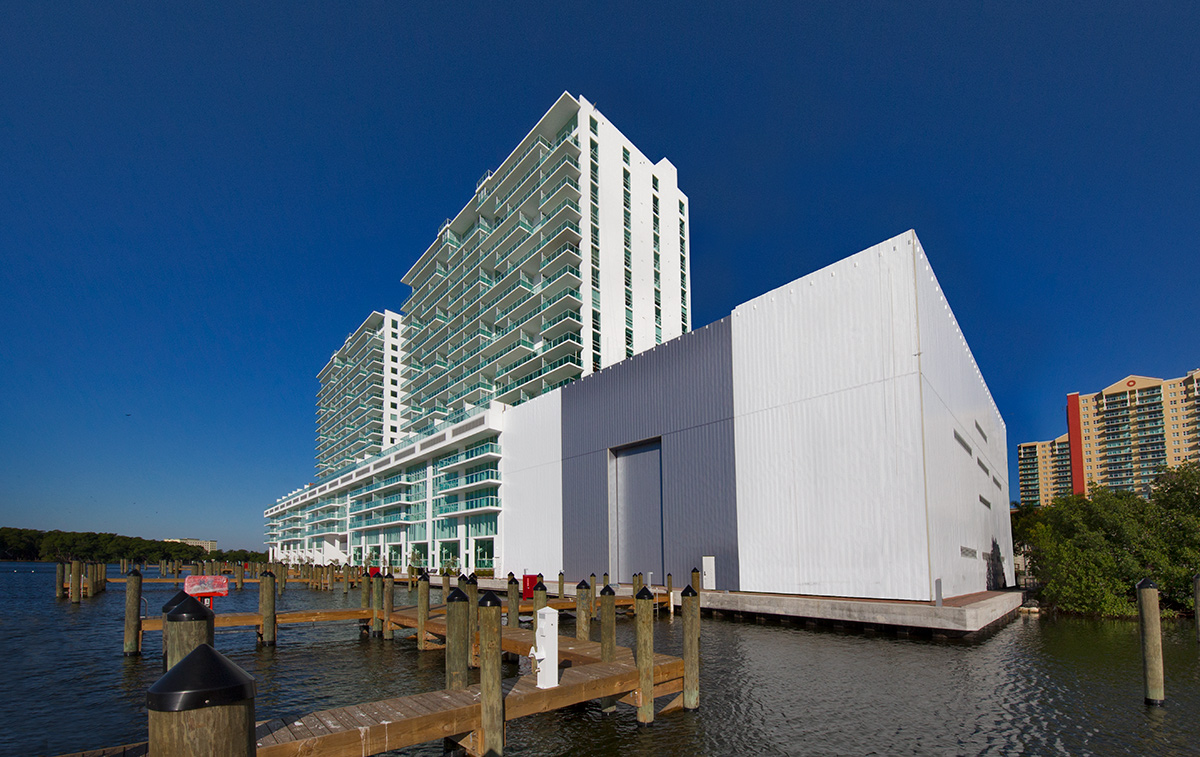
{"x":1037,"y":686}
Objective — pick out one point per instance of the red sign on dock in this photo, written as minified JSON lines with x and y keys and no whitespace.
{"x":206,"y":586}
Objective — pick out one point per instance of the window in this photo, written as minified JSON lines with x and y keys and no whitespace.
{"x":963,"y":443}
{"x":625,"y":156}
{"x":983,"y":500}
{"x":654,"y":185}
{"x":595,"y":127}
{"x":983,"y":467}
{"x":979,"y":429}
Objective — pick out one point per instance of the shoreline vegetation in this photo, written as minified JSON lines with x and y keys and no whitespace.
{"x":1086,"y":554}
{"x":32,"y":545}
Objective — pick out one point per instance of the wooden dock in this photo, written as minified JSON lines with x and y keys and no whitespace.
{"x":375,"y":727}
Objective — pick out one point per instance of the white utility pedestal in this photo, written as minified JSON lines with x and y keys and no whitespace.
{"x":545,"y":648}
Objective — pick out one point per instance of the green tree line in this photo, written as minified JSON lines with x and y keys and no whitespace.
{"x":1088,"y":553}
{"x":52,"y":546}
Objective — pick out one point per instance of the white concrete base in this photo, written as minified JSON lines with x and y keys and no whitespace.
{"x":952,"y":620}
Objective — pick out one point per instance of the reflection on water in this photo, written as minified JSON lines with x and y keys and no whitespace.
{"x":1036,"y":686}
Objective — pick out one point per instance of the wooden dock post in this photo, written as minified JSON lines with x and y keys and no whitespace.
{"x":266,"y":607}
{"x":514,"y":601}
{"x":539,"y":600}
{"x":606,"y":583}
{"x":592,"y":609}
{"x":472,"y":592}
{"x":133,"y":613}
{"x":76,"y":581}
{"x":377,"y":606}
{"x":281,"y":579}
{"x":690,"y":608}
{"x":583,"y":615}
{"x":204,"y":706}
{"x":190,"y":624}
{"x":458,"y":645}
{"x":491,"y":696}
{"x":389,"y":602}
{"x":445,"y":586}
{"x":239,"y":575}
{"x":561,"y":585}
{"x":422,"y":609}
{"x":60,"y":580}
{"x":696,"y":580}
{"x":364,"y":595}
{"x":608,"y":636}
{"x":645,"y":656}
{"x":346,"y":579}
{"x":1150,"y":625}
{"x":670,"y":596}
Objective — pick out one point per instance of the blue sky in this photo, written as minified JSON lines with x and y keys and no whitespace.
{"x":198,"y":203}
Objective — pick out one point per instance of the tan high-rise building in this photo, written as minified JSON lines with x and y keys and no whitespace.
{"x":1044,"y":470}
{"x":1120,"y":437}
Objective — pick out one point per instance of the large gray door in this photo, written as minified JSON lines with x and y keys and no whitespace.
{"x":639,"y":511}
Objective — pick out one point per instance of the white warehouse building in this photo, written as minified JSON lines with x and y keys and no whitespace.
{"x":545,"y":407}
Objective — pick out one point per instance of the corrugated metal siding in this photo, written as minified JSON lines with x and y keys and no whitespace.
{"x":681,"y":392}
{"x":829,"y":488}
{"x":956,"y":398}
{"x":639,"y":510}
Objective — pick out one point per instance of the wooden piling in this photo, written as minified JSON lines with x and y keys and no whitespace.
{"x":422,"y":609}
{"x":539,"y":601}
{"x":458,"y":646}
{"x":60,"y":580}
{"x":645,"y":656}
{"x":389,"y":601}
{"x":472,"y":592}
{"x":608,"y":637}
{"x":514,"y":601}
{"x":670,"y":596}
{"x":346,"y":579}
{"x":592,"y":609}
{"x":690,"y":608}
{"x":281,"y":582}
{"x":605,"y":581}
{"x":491,"y":696}
{"x":1150,"y":624}
{"x":239,"y":576}
{"x":377,"y":606}
{"x":76,"y":581}
{"x":364,"y":595}
{"x":133,"y":614}
{"x":583,"y":616}
{"x":696,"y":580}
{"x":445,"y":587}
{"x":266,"y":607}
{"x":203,"y":707}
{"x":191,"y":624}
{"x":561,"y":585}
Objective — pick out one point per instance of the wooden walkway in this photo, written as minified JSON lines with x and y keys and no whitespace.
{"x":374,"y":727}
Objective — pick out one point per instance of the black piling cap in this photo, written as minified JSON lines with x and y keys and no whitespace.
{"x":645,"y":593}
{"x":540,"y":577}
{"x":189,"y":609}
{"x":607,"y":591}
{"x":540,"y":586}
{"x":179,"y":597}
{"x":688,"y":592}
{"x":424,"y":577}
{"x":513,"y":579}
{"x":472,"y":576}
{"x":457,"y":595}
{"x":462,"y":578}
{"x":266,"y":573}
{"x":1146,"y":583}
{"x":134,"y":572}
{"x":583,"y":586}
{"x":472,"y":580}
{"x":489,"y":600}
{"x":388,"y":575}
{"x":695,"y":570}
{"x":205,"y":678}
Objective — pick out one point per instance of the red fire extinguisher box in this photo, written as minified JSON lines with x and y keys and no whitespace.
{"x":527,"y":584}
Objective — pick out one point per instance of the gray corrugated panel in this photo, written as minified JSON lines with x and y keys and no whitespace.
{"x":682,"y":393}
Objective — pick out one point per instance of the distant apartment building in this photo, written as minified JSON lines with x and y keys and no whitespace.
{"x":1044,"y":470}
{"x":1120,"y":437}
{"x":207,"y":544}
{"x":351,"y":422}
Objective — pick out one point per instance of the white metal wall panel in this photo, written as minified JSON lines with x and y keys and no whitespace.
{"x":828,"y":442}
{"x":963,"y":530}
{"x":531,"y":474}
